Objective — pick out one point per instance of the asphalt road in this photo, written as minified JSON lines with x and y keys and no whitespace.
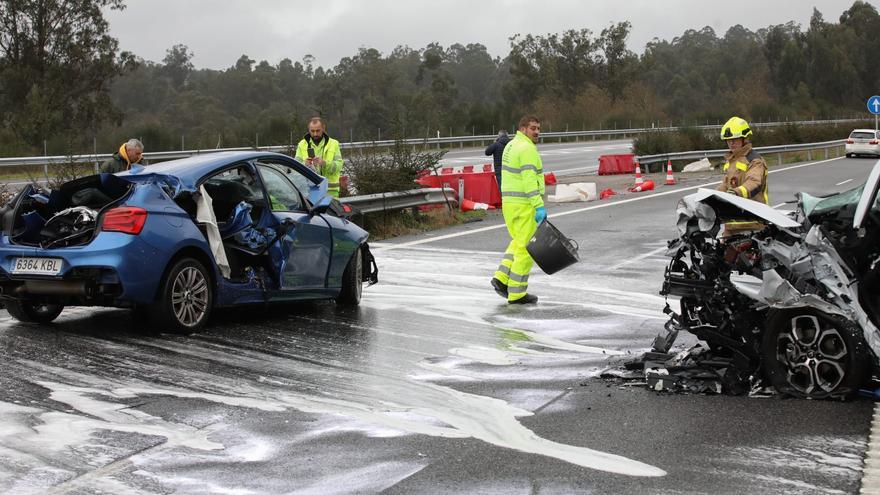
{"x":433,"y":385}
{"x":568,"y":158}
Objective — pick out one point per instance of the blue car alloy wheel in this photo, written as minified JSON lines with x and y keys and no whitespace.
{"x":187,"y":297}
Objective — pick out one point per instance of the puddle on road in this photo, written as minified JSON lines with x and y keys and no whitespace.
{"x":387,"y":370}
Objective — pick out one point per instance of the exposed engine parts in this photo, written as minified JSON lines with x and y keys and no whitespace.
{"x":793,"y":305}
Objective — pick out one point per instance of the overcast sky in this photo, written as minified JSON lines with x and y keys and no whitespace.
{"x":218,"y":32}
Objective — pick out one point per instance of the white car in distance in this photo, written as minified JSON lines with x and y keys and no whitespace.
{"x":863,"y":142}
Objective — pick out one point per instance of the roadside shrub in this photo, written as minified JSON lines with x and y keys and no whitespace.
{"x":377,"y":170}
{"x":60,"y":173}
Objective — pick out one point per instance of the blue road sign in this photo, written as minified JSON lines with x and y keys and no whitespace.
{"x":874,"y":105}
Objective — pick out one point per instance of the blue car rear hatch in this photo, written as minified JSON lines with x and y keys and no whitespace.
{"x":66,"y":216}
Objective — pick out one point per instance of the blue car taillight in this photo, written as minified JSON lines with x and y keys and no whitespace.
{"x":125,"y":219}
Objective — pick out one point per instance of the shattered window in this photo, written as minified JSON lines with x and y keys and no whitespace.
{"x":302,"y":182}
{"x":282,"y":194}
{"x":850,"y":197}
{"x":229,"y":188}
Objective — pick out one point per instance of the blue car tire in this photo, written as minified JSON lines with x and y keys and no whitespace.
{"x":32,"y":311}
{"x":352,"y":281}
{"x":186,"y":299}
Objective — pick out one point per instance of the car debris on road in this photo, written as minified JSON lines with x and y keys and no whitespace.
{"x":794,"y":306}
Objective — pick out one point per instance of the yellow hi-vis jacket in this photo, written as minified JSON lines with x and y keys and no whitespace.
{"x":327,"y":149}
{"x":746,"y":173}
{"x":522,"y":174}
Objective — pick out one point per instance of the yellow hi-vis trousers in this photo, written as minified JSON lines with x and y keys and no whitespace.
{"x":516,"y":264}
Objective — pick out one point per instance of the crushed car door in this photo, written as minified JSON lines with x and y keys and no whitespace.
{"x":305,"y":244}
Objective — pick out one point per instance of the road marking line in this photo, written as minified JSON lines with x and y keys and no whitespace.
{"x":380,"y":245}
{"x":871,"y":469}
{"x":844,"y":182}
{"x":640,"y":257}
{"x":589,"y":169}
{"x":588,"y":208}
{"x":658,"y":250}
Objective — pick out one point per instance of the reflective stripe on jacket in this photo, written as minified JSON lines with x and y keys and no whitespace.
{"x":746,"y":173}
{"x":328,"y":150}
{"x":522,"y":174}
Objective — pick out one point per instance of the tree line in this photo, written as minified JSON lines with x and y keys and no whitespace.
{"x":65,"y":87}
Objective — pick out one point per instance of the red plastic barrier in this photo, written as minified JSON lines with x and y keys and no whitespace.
{"x":617,"y":164}
{"x":480,"y":187}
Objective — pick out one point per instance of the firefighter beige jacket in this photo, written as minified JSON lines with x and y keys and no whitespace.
{"x":745,"y":172}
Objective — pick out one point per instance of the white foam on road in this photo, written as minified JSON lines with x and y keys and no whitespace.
{"x":479,"y":341}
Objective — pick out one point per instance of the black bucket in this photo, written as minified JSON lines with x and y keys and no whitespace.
{"x":551,"y":250}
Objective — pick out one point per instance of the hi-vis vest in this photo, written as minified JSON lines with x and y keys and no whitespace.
{"x":522,"y":174}
{"x":747,"y":180}
{"x":326,"y":148}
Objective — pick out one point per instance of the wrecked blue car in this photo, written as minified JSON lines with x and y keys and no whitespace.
{"x":178,"y":239}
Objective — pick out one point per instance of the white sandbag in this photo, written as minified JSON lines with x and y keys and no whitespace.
{"x":565,"y":193}
{"x":698,"y":166}
{"x":587,"y":190}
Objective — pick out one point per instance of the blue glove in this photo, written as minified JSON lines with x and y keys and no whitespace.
{"x":540,"y":214}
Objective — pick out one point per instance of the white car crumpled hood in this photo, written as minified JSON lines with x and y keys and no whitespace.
{"x":705,"y":203}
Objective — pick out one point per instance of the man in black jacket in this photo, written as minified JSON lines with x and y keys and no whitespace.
{"x":496,"y":149}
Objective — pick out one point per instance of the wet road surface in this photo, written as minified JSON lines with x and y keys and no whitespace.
{"x":433,"y":385}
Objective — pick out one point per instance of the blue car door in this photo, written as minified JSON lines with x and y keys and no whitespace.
{"x":307,"y":244}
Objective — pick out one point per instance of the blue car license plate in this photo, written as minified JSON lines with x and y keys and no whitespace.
{"x":36,"y":266}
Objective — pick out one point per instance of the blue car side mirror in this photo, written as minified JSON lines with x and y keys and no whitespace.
{"x":322,"y":206}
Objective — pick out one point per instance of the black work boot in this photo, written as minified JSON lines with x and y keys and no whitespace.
{"x":500,"y":287}
{"x":526,"y":299}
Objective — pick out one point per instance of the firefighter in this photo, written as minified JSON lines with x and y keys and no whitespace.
{"x":745,"y":172}
{"x":522,"y":204}
{"x":322,"y":153}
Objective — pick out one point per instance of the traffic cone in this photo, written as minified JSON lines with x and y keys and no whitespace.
{"x":670,"y":180}
{"x":469,"y":205}
{"x":647,"y":185}
{"x":639,"y":179}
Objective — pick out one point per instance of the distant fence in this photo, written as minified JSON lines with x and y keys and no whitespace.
{"x":451,"y":141}
{"x":779,"y":150}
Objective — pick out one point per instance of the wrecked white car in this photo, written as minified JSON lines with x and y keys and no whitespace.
{"x":794,"y":304}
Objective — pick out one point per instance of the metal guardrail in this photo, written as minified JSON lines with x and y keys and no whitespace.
{"x":769,"y":150}
{"x":417,"y":197}
{"x":451,"y":140}
{"x":402,"y":199}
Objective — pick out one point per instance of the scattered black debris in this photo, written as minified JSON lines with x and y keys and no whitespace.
{"x":696,"y":370}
